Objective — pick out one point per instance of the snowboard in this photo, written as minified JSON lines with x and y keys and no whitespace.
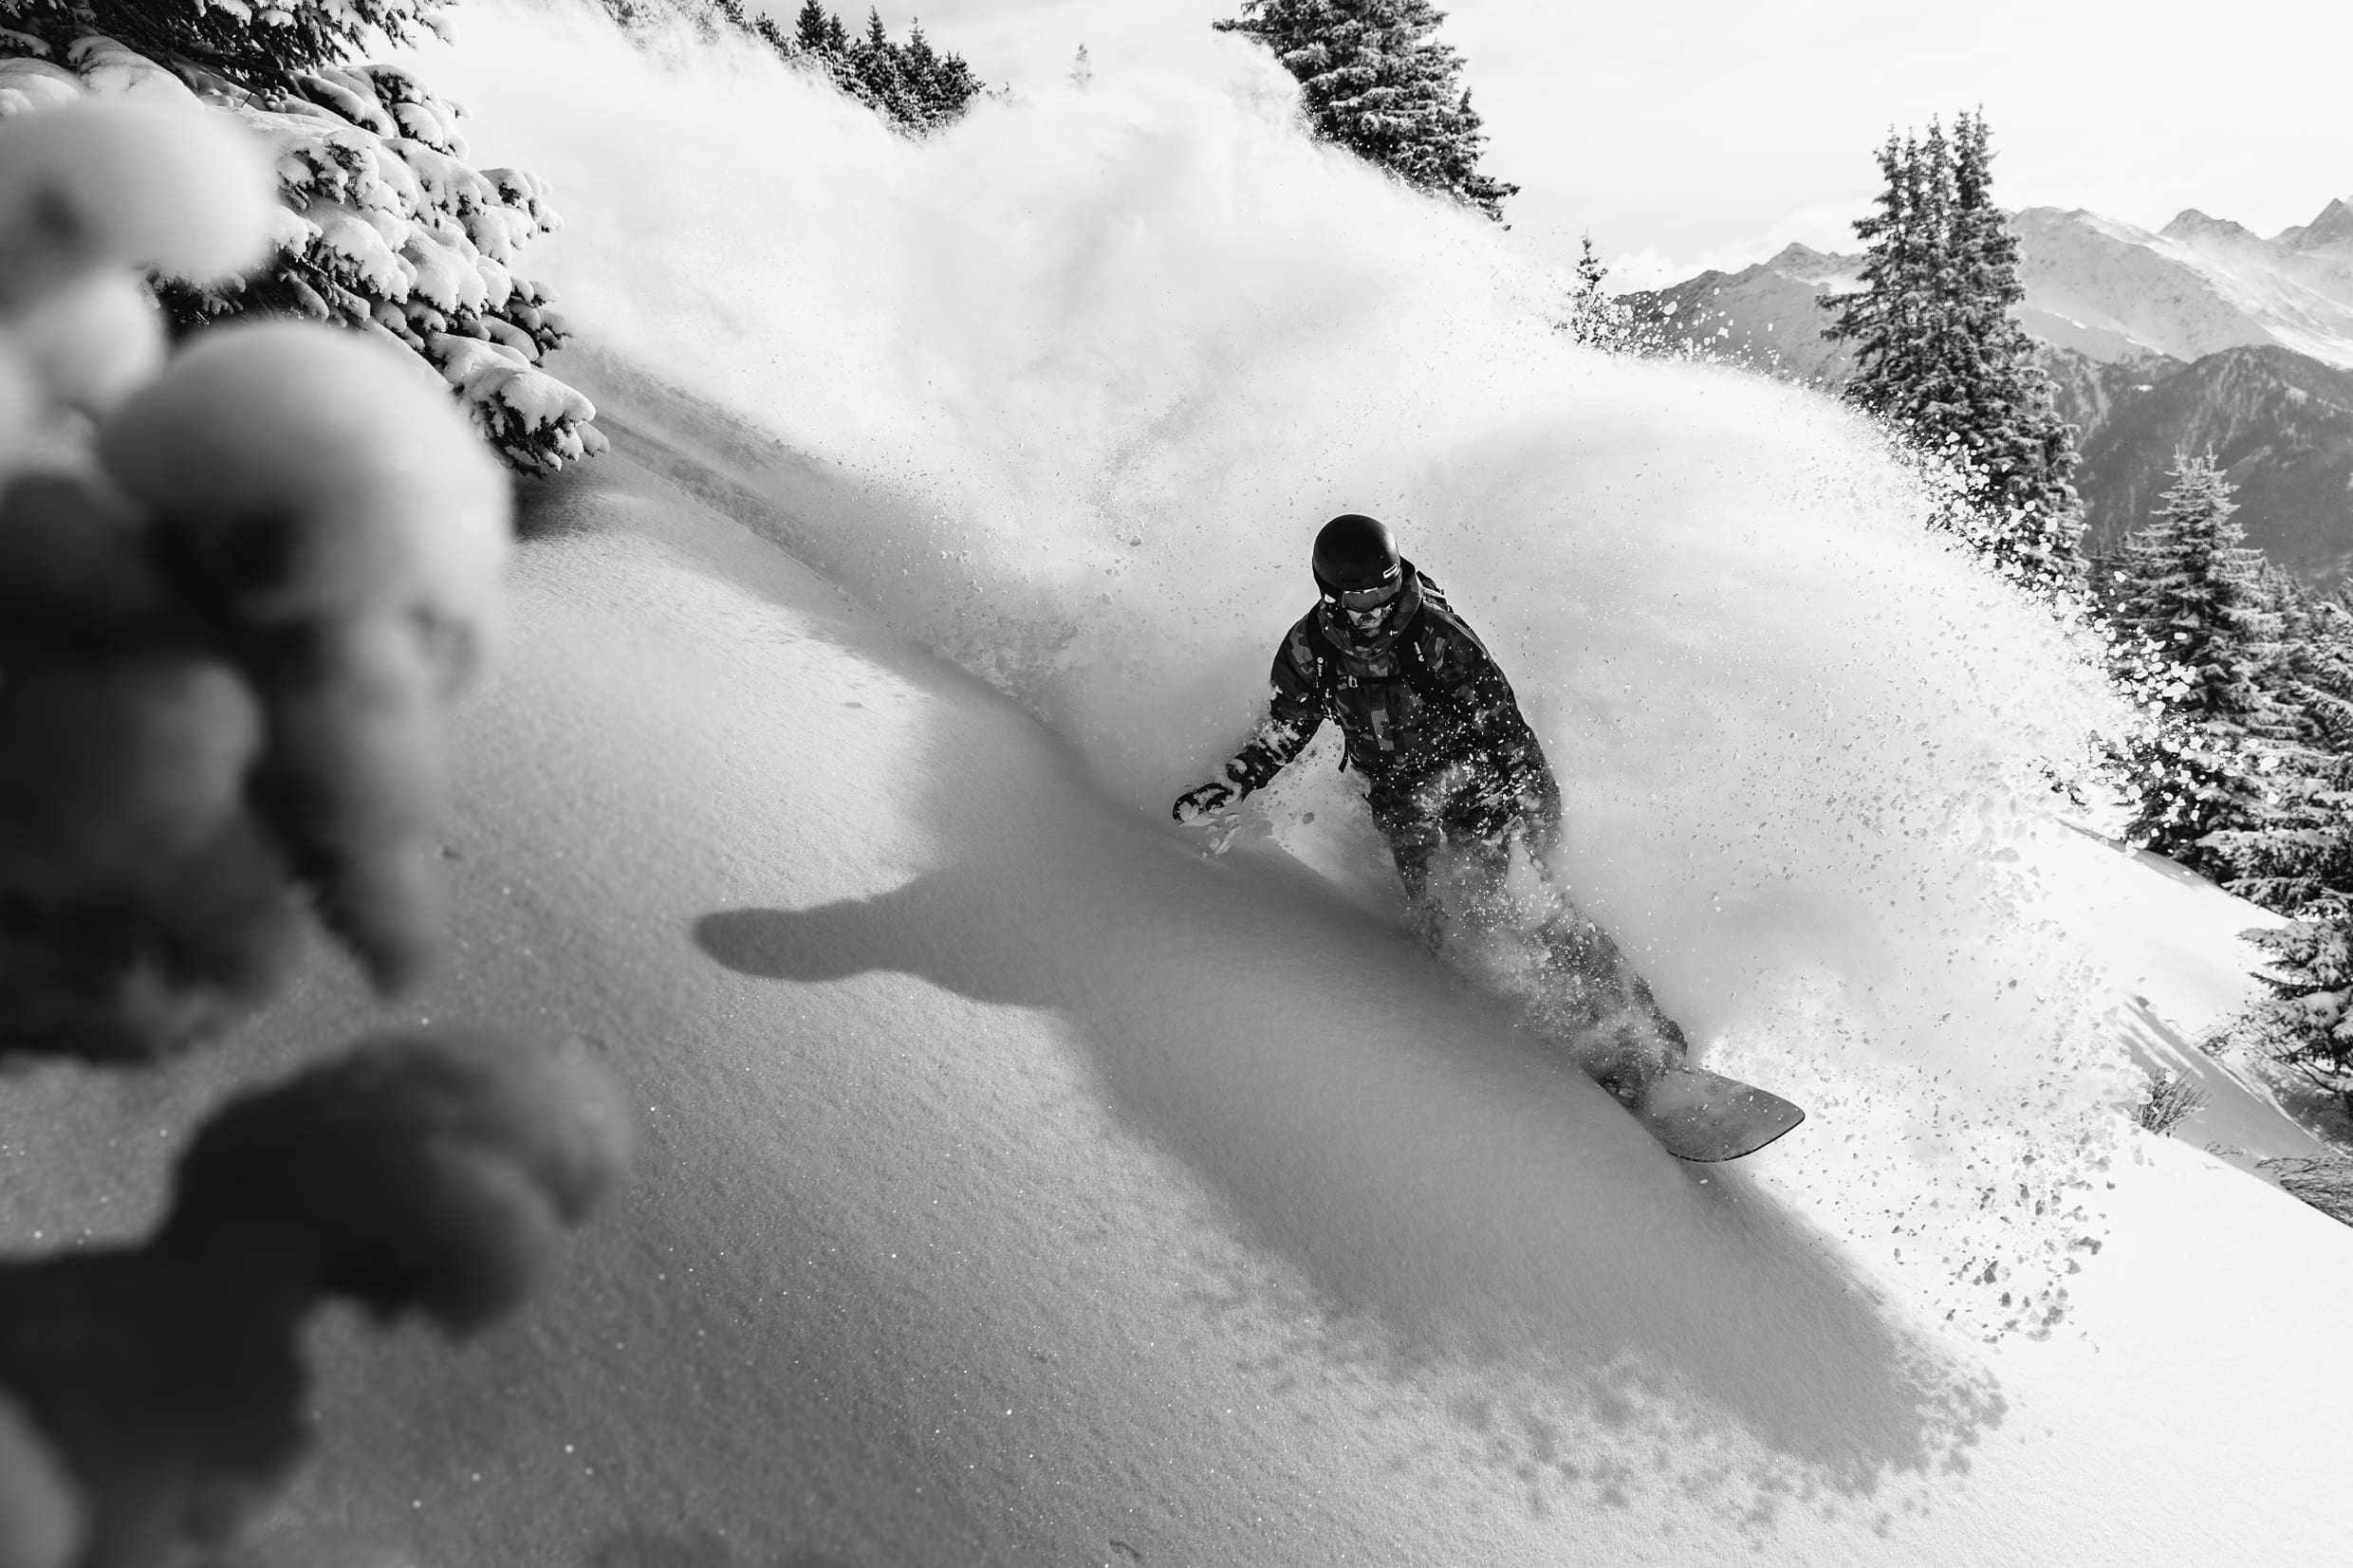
{"x":1697,"y":1114}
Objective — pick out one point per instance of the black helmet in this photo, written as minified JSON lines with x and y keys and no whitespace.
{"x":1354,"y":553}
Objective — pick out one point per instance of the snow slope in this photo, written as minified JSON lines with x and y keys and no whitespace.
{"x":1024,"y":1184}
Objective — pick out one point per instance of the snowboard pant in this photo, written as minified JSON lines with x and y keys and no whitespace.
{"x":1569,"y":979}
{"x":1469,"y":809}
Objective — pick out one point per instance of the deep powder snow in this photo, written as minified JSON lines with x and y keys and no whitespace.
{"x":1066,"y":388}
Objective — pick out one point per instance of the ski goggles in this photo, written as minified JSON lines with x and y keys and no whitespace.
{"x":1366,"y":599}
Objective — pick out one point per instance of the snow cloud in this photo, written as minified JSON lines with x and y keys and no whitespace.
{"x":1073,"y":384}
{"x":1685,"y":129}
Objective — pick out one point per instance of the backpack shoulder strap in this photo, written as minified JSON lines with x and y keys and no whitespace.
{"x":1434,"y":615}
{"x":1310,"y":647}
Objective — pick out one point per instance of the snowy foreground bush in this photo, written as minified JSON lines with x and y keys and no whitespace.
{"x":384,"y":226}
{"x":237,"y":591}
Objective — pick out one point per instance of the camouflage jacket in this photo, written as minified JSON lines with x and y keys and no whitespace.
{"x":1422,"y":699}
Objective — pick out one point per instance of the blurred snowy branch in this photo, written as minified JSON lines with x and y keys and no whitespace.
{"x":238,"y":590}
{"x":386,"y":228}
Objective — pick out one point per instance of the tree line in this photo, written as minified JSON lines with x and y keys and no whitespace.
{"x":2244,"y":770}
{"x":1375,"y":80}
{"x":913,"y":85}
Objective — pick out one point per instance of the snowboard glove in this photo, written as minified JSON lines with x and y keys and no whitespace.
{"x":1203,"y":801}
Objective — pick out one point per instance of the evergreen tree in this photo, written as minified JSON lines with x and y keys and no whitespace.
{"x":913,"y":84}
{"x":391,"y":230}
{"x":2299,"y":851}
{"x":1592,"y":318}
{"x":256,"y":48}
{"x":2305,"y":1022}
{"x":2326,"y":676}
{"x":2190,"y":600}
{"x":244,"y":589}
{"x":2025,"y":451}
{"x":1374,"y":82}
{"x":812,"y":28}
{"x":759,"y":24}
{"x":874,"y":66}
{"x":2303,"y":865}
{"x":1940,"y":358}
{"x":1893,"y":318}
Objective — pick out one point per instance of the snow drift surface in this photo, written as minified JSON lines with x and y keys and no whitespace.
{"x":1021,"y":1186}
{"x":1069,"y":388}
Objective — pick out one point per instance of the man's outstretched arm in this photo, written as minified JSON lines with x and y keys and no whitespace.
{"x":1292,"y":719}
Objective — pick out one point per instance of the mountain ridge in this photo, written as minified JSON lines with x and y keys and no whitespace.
{"x":2202,"y":335}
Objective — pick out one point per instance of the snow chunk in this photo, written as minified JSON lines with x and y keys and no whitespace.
{"x":289,"y":231}
{"x":421,"y":116}
{"x":131,"y":183}
{"x":113,"y":70}
{"x":445,"y":275}
{"x":447,"y":181}
{"x":29,"y":85}
{"x":527,"y":194}
{"x":357,"y":253}
{"x":522,"y":410}
{"x":335,"y":461}
{"x":350,"y":95}
{"x":93,"y":341}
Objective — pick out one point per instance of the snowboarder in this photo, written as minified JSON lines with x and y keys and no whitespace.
{"x":1455,"y":780}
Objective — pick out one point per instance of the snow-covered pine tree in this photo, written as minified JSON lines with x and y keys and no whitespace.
{"x":2306,"y":1022}
{"x":943,"y":84}
{"x":913,"y":85}
{"x":1891,"y":318}
{"x":881,"y":77}
{"x":2299,"y":853}
{"x":2015,"y":438}
{"x":179,"y":795}
{"x":759,"y":24}
{"x":259,"y":47}
{"x":387,"y":229}
{"x":1373,"y":81}
{"x":1940,"y":360}
{"x":1591,"y":316}
{"x":2189,"y":601}
{"x":2303,"y":865}
{"x":2325,"y":674}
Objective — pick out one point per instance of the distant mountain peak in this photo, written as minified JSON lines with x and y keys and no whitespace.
{"x":2055,"y":220}
{"x":2202,"y":335}
{"x":2331,"y":230}
{"x":1808,"y":265}
{"x":2192,"y":224}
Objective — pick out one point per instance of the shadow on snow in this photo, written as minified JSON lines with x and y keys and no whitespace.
{"x":1434,"y":1194}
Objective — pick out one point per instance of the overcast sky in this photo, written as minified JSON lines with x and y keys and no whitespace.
{"x":1689,"y":133}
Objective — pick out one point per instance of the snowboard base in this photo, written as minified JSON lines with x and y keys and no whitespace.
{"x":1697,"y":1114}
